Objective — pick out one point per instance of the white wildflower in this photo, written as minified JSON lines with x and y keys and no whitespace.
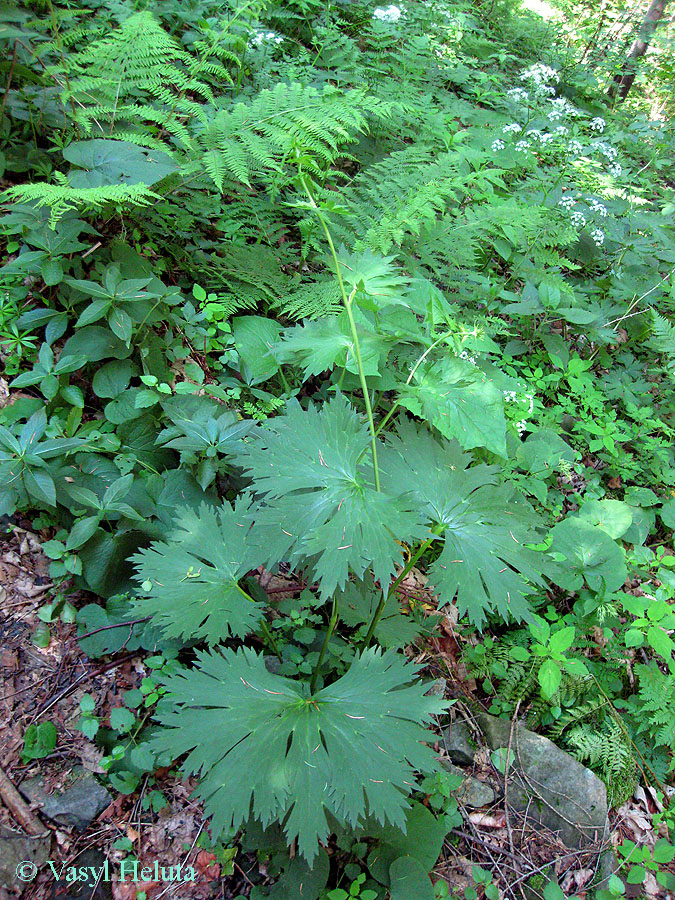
{"x":390,"y":14}
{"x":615,"y":170}
{"x":575,"y":147}
{"x":540,"y":74}
{"x":267,"y":37}
{"x":555,"y":115}
{"x":522,"y":146}
{"x":597,"y":124}
{"x":578,"y":218}
{"x":518,"y":94}
{"x":514,"y":126}
{"x":509,"y":396}
{"x":598,"y":236}
{"x":546,"y":139}
{"x":606,"y":150}
{"x":596,"y":206}
{"x":497,"y":145}
{"x":562,"y":131}
{"x":465,"y":355}
{"x":521,"y":427}
{"x":567,"y":202}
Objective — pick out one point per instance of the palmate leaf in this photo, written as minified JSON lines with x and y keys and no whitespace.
{"x":321,"y":344}
{"x":350,"y":749}
{"x":484,"y":524}
{"x":320,"y":503}
{"x":460,"y":401}
{"x":194,"y":576}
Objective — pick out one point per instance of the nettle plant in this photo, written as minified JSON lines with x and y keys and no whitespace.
{"x":337,"y":498}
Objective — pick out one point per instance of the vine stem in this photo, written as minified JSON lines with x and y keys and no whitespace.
{"x":347,"y":302}
{"x":332,"y":622}
{"x":435,"y":531}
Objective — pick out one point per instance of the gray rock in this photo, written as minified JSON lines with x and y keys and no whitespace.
{"x":459,"y":743}
{"x":16,"y":848}
{"x":76,"y":806}
{"x":471,"y":792}
{"x":554,"y":788}
{"x":608,"y":865}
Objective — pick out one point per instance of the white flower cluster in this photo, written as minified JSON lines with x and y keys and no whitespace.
{"x":521,"y":427}
{"x":510,"y":396}
{"x":597,"y":124}
{"x":522,"y":146}
{"x":514,"y":126}
{"x":595,"y":206}
{"x":266,"y":36}
{"x":497,"y":145}
{"x":561,"y":131}
{"x":561,"y":107}
{"x":598,"y":236}
{"x":575,"y":148}
{"x":578,"y":218}
{"x":465,"y":355}
{"x":615,"y":170}
{"x":518,"y":94}
{"x":567,"y":202}
{"x":606,"y":150}
{"x":390,"y":14}
{"x":540,"y":74}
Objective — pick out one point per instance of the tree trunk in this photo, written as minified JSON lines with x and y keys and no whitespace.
{"x":623,"y":80}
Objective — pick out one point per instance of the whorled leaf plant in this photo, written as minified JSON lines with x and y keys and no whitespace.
{"x":336,"y":499}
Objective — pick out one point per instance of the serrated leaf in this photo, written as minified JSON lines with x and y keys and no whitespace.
{"x":320,"y":500}
{"x":458,"y":399}
{"x":484,"y":525}
{"x":195,"y":575}
{"x":321,"y":344}
{"x":350,"y":750}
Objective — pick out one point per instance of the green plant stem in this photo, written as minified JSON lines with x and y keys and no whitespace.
{"x":436,"y":530}
{"x":419,"y":362}
{"x":263,"y":624}
{"x":347,"y":302}
{"x":332,"y":622}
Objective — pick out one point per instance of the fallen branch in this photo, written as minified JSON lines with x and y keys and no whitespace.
{"x":19,"y":808}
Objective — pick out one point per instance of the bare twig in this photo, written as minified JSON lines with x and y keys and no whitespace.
{"x":19,"y":808}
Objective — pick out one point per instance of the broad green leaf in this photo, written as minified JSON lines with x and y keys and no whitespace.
{"x":661,"y":642}
{"x":40,"y":486}
{"x":542,"y":452}
{"x":351,"y":749}
{"x":195,"y":575}
{"x":115,"y":162}
{"x":613,"y":516}
{"x":590,"y":555}
{"x":562,"y":640}
{"x":96,"y":343}
{"x":408,"y":878}
{"x":458,"y":399}
{"x":549,"y":677}
{"x":81,"y":532}
{"x":121,"y":324}
{"x":373,"y":275}
{"x":422,"y":838}
{"x":52,"y":272}
{"x":255,"y":338}
{"x":483,"y":525}
{"x":667,"y":513}
{"x":321,"y":344}
{"x":113,"y":378}
{"x":320,"y":501}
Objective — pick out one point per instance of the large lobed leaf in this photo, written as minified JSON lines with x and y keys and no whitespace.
{"x":194,"y":576}
{"x":461,"y":402}
{"x":320,"y":502}
{"x":351,"y":749}
{"x":484,"y":525}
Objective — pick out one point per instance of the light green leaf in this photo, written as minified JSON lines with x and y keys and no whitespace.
{"x":549,"y":677}
{"x":460,"y":401}
{"x":591,"y":555}
{"x":409,"y":879}
{"x":113,"y":378}
{"x":613,"y":516}
{"x":116,"y":162}
{"x":255,"y":338}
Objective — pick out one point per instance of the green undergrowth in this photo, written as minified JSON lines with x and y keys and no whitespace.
{"x":344,"y":290}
